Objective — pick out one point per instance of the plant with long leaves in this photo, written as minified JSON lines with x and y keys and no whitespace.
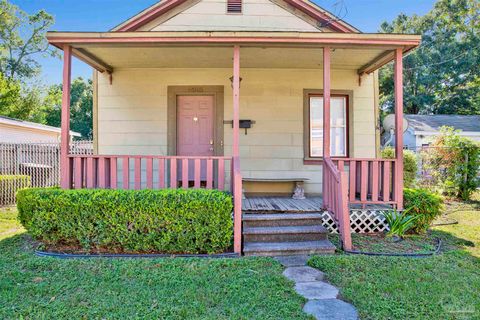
{"x":399,"y":223}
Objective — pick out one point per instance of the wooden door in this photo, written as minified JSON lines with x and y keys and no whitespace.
{"x":195,"y":128}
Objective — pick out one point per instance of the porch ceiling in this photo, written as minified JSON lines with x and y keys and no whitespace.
{"x":221,"y":57}
{"x":107,"y":51}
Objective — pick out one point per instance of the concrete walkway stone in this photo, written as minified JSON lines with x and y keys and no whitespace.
{"x":292,"y":261}
{"x":303,"y":274}
{"x":316,"y":290}
{"x":322,"y":303}
{"x":331,"y":309}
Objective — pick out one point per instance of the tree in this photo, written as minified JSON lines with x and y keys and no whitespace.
{"x":21,"y":102}
{"x":442,"y":76}
{"x":22,"y":37}
{"x":81,"y":107}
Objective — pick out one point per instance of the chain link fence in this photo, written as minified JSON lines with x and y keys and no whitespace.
{"x":32,"y":164}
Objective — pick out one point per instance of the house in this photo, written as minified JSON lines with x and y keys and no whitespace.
{"x":204,"y":93}
{"x":20,"y":131}
{"x":422,"y":129}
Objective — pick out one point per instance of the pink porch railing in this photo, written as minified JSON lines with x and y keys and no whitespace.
{"x":148,"y":172}
{"x":335,"y":199}
{"x":370,"y":181}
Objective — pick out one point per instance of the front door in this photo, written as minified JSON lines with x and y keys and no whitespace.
{"x":195,"y":128}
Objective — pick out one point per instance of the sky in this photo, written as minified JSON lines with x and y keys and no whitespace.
{"x":102,"y":15}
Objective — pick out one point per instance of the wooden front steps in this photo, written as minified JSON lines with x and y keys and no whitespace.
{"x":284,"y":234}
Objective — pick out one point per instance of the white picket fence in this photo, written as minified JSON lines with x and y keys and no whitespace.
{"x":39,"y":161}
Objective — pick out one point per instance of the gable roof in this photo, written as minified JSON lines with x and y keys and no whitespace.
{"x":32,"y":125}
{"x":430,"y":123}
{"x":324,"y":18}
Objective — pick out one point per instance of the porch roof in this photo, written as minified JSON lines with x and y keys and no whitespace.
{"x":106,"y":51}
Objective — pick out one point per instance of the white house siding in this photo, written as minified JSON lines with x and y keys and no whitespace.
{"x":211,"y":15}
{"x":16,"y":134}
{"x":132,"y":115}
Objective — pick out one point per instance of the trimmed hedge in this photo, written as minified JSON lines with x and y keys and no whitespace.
{"x":10,"y":184}
{"x":167,"y":221}
{"x":423,"y":204}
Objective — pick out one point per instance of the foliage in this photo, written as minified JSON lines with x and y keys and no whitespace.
{"x":10,"y":184}
{"x":171,"y":221}
{"x":81,"y":107}
{"x":399,"y":223}
{"x":424,"y":205}
{"x":22,"y":37}
{"x":409,"y":165}
{"x":442,"y":76}
{"x":453,"y":163}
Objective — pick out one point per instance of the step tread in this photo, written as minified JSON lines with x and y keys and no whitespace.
{"x":281,"y":216}
{"x":285,"y":230}
{"x":288,"y":246}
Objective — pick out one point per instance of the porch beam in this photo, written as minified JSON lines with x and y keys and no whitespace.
{"x":399,"y":127}
{"x":92,"y":60}
{"x":65,"y":165}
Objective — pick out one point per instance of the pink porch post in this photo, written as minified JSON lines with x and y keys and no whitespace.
{"x":326,"y":106}
{"x":326,"y":102}
{"x":65,"y":167}
{"x":399,"y":127}
{"x":237,"y":177}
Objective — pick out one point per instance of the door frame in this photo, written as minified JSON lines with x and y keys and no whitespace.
{"x":218,"y":113}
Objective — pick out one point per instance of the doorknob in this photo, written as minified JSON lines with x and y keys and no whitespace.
{"x":211,"y":142}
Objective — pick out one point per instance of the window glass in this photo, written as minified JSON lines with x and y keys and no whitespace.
{"x":338,"y":126}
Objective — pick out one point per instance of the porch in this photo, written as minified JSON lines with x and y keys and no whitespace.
{"x":341,"y":181}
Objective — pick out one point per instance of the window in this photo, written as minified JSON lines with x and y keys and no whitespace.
{"x":338,"y":123}
{"x":234,"y":6}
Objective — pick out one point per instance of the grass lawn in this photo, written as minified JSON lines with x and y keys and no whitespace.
{"x":47,"y":288}
{"x":446,"y":286}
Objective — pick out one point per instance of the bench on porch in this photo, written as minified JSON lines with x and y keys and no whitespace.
{"x":274,"y":187}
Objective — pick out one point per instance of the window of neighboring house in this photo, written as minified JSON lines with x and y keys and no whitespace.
{"x":234,"y":6}
{"x":338,"y":126}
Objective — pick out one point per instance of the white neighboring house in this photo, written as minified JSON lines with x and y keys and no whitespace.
{"x":19,"y":131}
{"x":423,"y":128}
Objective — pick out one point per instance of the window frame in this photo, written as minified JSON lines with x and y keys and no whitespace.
{"x":348,"y":95}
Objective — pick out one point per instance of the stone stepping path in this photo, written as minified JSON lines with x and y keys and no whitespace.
{"x":322,"y":297}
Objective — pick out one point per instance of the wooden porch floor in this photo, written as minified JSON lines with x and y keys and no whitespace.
{"x":289,"y":205}
{"x":281,"y":204}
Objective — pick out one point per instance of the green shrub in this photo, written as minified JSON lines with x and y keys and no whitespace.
{"x":409,"y":165}
{"x":453,"y":162}
{"x":424,"y":205}
{"x":170,"y":221}
{"x":10,"y":184}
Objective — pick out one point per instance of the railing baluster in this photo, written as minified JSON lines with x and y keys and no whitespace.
{"x":185,"y":173}
{"x":364,"y":180}
{"x":113,"y":173}
{"x":101,"y":173}
{"x":126,"y":173}
{"x":149,"y":173}
{"x":198,"y":170}
{"x":78,"y":173}
{"x":90,"y":173}
{"x":386,"y":181}
{"x":173,"y":173}
{"x":221,"y":174}
{"x":353,"y":179}
{"x":138,"y":173}
{"x":210,"y":173}
{"x":161,"y":173}
{"x":375,"y":181}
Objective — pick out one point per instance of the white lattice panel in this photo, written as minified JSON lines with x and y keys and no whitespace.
{"x":361,"y":221}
